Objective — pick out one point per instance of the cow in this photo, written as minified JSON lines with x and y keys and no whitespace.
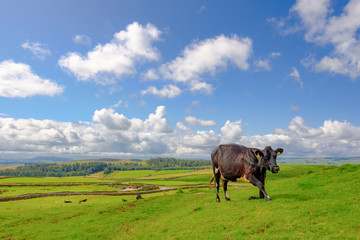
{"x":232,"y":161}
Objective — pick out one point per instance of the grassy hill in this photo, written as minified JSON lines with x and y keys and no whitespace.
{"x":309,"y":202}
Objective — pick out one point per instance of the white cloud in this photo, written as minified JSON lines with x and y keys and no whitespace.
{"x":296,"y":75}
{"x":201,"y":139}
{"x":111,"y":119}
{"x":113,"y":134}
{"x":105,"y":63}
{"x":40,"y":50}
{"x":340,"y":32}
{"x":151,"y":74}
{"x":297,"y":126}
{"x":201,"y":87}
{"x":264,"y":64}
{"x":17,"y":80}
{"x":193,"y":121}
{"x":208,"y":57}
{"x":115,"y":121}
{"x":156,"y":122}
{"x":313,"y":16}
{"x":232,"y":130}
{"x":82,"y":39}
{"x":334,"y":138}
{"x":169,"y":91}
{"x":182,"y":126}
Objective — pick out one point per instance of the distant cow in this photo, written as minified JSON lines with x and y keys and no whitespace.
{"x":84,"y":200}
{"x":232,"y":161}
{"x":138,"y":197}
{"x":67,"y":201}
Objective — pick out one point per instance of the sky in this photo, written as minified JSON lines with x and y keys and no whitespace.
{"x":144,"y":79}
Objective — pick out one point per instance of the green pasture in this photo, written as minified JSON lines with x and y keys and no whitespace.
{"x":51,"y":180}
{"x":144,"y":173}
{"x":19,"y":190}
{"x":309,"y":202}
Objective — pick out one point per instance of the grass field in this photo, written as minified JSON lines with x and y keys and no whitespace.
{"x":309,"y":202}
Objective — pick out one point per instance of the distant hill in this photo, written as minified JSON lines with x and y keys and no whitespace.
{"x":91,"y":166}
{"x":319,"y":161}
{"x":38,"y":159}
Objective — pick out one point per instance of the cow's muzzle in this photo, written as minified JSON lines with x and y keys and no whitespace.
{"x":275,"y":169}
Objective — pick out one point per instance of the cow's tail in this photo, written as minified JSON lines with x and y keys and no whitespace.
{"x":212,"y":179}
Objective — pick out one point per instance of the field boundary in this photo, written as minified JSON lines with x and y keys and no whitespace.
{"x":104,"y":193}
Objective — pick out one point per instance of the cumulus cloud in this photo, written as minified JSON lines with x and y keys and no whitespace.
{"x":169,"y":91}
{"x":111,"y":135}
{"x":182,"y":126}
{"x":115,"y":121}
{"x":39,"y":50}
{"x":201,"y":139}
{"x":208,"y":57}
{"x":117,"y":58}
{"x":296,"y":75}
{"x":323,"y":27}
{"x":82,"y":39}
{"x":232,"y":130}
{"x":193,"y":121}
{"x":17,"y":80}
{"x":111,"y":119}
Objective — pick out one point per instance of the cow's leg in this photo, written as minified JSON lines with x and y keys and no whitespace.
{"x":217,"y":183}
{"x":261,"y":195}
{"x":225,"y":182}
{"x":261,"y":187}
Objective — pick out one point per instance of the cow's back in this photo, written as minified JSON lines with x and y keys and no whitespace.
{"x":230,"y":160}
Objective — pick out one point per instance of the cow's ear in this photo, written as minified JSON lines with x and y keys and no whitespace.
{"x":259,"y":154}
{"x":279,"y":151}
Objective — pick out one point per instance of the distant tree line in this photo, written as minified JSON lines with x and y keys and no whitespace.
{"x":86,"y":168}
{"x":175,"y":164}
{"x":55,"y":169}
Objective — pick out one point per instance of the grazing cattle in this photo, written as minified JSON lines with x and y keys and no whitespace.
{"x":232,"y":161}
{"x":138,"y":197}
{"x":84,"y":200}
{"x":67,"y":201}
{"x":124,"y":200}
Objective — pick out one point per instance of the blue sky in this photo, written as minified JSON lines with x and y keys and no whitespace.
{"x":176,"y":78}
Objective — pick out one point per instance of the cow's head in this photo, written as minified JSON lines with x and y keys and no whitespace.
{"x":270,"y":158}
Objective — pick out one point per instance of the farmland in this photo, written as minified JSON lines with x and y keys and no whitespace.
{"x":309,"y":202}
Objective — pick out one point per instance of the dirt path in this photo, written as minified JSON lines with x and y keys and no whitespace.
{"x":104,"y":193}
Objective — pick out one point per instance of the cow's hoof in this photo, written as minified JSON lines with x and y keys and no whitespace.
{"x":217,"y":200}
{"x":268,"y":199}
{"x":252,"y":197}
{"x":228,"y":199}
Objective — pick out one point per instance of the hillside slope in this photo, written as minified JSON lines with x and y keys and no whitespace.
{"x":309,"y":202}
